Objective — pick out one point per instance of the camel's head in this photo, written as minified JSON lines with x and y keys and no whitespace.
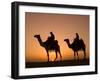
{"x":37,"y":36}
{"x":66,"y":40}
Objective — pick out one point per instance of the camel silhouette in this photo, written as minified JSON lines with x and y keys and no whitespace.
{"x":49,"y":46}
{"x":76,"y":46}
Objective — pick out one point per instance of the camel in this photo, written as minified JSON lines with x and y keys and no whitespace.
{"x":77,"y":46}
{"x":49,"y":46}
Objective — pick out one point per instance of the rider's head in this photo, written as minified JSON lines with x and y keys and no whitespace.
{"x":51,"y":33}
{"x":77,"y":34}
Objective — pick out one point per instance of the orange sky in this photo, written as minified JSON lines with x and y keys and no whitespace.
{"x":62,"y":25}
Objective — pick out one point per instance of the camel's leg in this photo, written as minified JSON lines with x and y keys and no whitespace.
{"x":74,"y":55}
{"x":56,"y":56}
{"x":60,"y":55}
{"x":77,"y":55}
{"x":84,"y":54}
{"x":48,"y":55}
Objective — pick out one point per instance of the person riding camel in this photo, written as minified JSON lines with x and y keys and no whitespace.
{"x":51,"y":39}
{"x":77,"y":38}
{"x":52,"y":36}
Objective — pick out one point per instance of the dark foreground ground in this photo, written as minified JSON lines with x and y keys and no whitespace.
{"x":57,"y":63}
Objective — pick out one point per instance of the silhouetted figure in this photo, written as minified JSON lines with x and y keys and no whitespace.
{"x":76,"y":39}
{"x":78,"y":44}
{"x":77,"y":36}
{"x":50,"y":45}
{"x":52,"y":37}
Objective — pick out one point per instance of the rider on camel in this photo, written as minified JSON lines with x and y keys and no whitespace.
{"x":77,"y":38}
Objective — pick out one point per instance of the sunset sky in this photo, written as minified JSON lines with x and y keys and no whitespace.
{"x":62,"y":25}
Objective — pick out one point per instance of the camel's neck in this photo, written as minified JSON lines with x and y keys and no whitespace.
{"x":40,"y":41}
{"x":69,"y":45}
